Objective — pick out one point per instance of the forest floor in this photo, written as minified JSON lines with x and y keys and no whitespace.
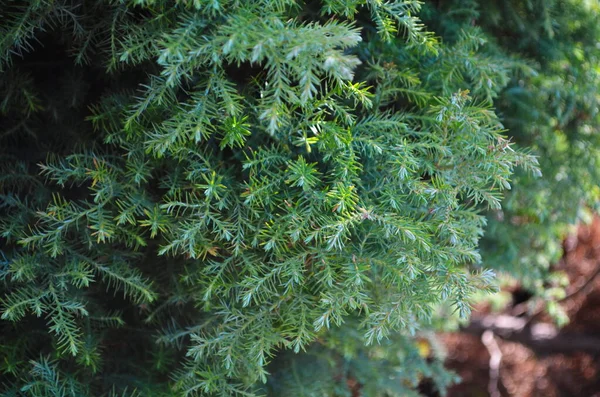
{"x":525,"y":355}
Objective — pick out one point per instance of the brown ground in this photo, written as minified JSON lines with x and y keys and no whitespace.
{"x":522,"y":373}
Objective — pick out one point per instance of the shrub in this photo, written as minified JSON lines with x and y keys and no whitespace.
{"x":270,"y":197}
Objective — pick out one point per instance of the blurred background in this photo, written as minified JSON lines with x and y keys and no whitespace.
{"x":529,"y":355}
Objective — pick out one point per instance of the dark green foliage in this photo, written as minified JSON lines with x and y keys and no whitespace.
{"x":553,"y":111}
{"x":266,"y":197}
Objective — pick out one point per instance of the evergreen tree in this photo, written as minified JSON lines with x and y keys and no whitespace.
{"x":260,"y":197}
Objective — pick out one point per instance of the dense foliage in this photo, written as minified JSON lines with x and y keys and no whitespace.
{"x":277,"y":197}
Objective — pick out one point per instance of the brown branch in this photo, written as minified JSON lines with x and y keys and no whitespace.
{"x":542,"y":338}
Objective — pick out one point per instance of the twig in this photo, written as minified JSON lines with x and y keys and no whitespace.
{"x":488,"y":340}
{"x":583,"y":288}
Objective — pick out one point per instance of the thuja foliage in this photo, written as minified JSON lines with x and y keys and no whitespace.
{"x":240,"y":198}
